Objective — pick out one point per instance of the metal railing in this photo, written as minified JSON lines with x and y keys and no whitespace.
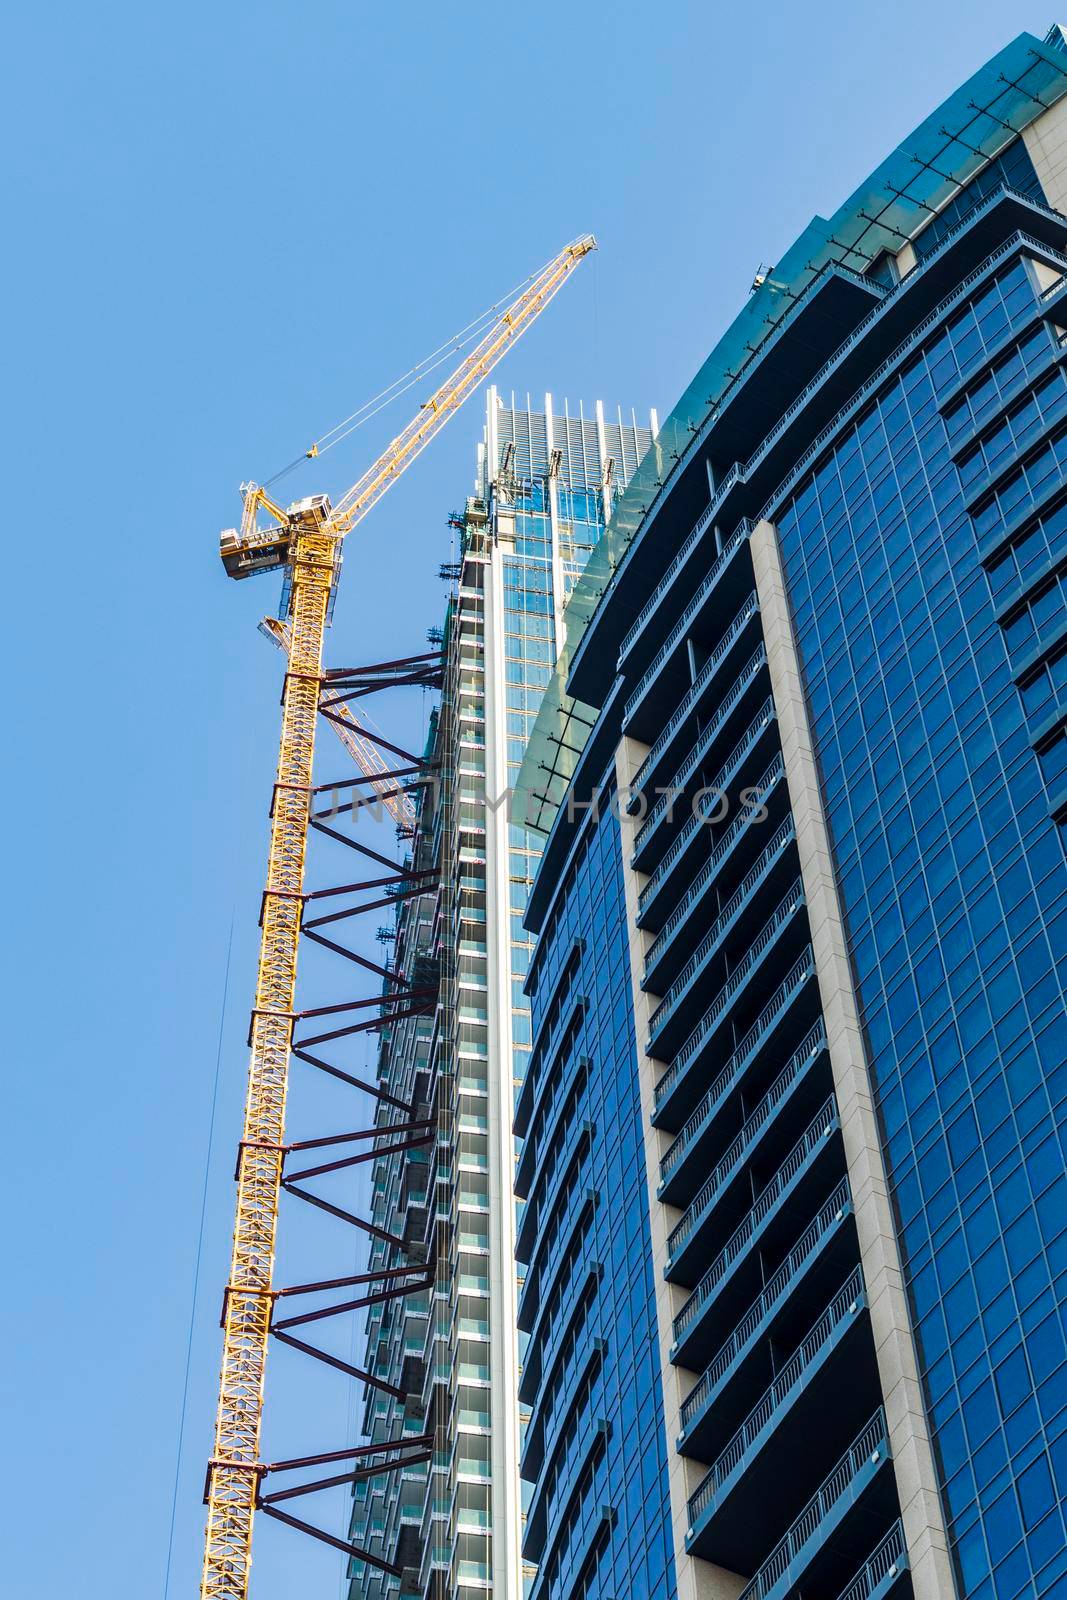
{"x":781,"y":838}
{"x":741,"y":1237}
{"x":700,"y":527}
{"x":730,"y":989}
{"x":687,"y":615}
{"x":739,"y":1059}
{"x":797,"y":1064}
{"x":872,"y":1444}
{"x":859,"y":331}
{"x":696,"y":689}
{"x":864,"y":391}
{"x":890,"y":1557}
{"x":727,"y":771}
{"x":807,"y":1246}
{"x":845,"y":1304}
{"x":698,"y":749}
{"x":760,"y":794}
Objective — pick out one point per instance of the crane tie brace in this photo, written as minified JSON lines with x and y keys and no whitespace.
{"x":304,"y":541}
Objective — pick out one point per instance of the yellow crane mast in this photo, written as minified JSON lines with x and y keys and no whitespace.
{"x":348,"y":727}
{"x":304,"y":541}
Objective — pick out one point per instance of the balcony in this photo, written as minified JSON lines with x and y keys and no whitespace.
{"x":671,"y":865}
{"x":880,"y":1575}
{"x":700,"y":752}
{"x":737,"y":920}
{"x":688,"y":1156}
{"x":691,"y":700}
{"x":407,"y":1550}
{"x":765,"y":958}
{"x":794,"y":1093}
{"x":794,"y":1187}
{"x":754,"y":1482}
{"x":653,"y":603}
{"x":666,"y":952}
{"x":675,"y":1094}
{"x":823,"y":1537}
{"x":825,"y":1251}
{"x":999,"y":214}
{"x":719,"y":577}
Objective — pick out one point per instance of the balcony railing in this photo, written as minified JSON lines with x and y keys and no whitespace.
{"x":870,"y":1445}
{"x":653,"y":601}
{"x":862,"y":394}
{"x":727,"y":771}
{"x":795,"y":1067}
{"x":890,"y":1558}
{"x":698,"y":749}
{"x":739,"y":1060}
{"x":1054,"y":288}
{"x":861,"y":327}
{"x":760,"y":794}
{"x":730,"y":989}
{"x":700,"y":527}
{"x":777,"y":844}
{"x":740,"y":1239}
{"x":795,"y":1262}
{"x":696,"y":689}
{"x":845,"y":1304}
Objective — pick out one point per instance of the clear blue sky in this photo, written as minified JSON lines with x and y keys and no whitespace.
{"x":227,"y":225}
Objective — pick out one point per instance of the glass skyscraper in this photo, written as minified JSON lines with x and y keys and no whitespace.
{"x":795,"y":1112}
{"x":452,"y":1527}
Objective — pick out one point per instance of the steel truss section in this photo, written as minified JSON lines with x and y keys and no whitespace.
{"x":236,"y":1478}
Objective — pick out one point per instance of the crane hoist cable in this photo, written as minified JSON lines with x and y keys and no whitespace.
{"x":400,"y":386}
{"x":304,"y":542}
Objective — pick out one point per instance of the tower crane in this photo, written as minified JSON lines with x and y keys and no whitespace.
{"x":303,"y":541}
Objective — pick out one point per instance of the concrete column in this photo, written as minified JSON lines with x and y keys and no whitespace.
{"x":909,"y":1437}
{"x":696,"y":1579}
{"x":1046,"y":143}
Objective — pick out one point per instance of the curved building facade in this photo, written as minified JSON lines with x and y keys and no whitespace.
{"x":809,"y":732}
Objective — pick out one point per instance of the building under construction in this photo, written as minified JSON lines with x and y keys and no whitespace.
{"x":450,"y":1521}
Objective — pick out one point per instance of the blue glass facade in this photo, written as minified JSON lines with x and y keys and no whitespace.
{"x":953,"y":876}
{"x":597,"y":1517}
{"x":828,"y":648}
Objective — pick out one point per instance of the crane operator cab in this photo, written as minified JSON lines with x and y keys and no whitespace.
{"x":267,"y":549}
